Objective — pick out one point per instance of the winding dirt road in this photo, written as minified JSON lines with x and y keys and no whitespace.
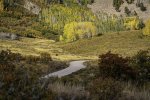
{"x":73,"y":67}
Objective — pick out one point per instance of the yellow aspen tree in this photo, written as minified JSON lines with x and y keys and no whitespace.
{"x":1,"y":5}
{"x":146,"y":30}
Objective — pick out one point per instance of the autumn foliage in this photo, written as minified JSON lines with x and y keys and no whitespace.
{"x":146,"y":30}
{"x":78,"y":30}
{"x":1,"y":5}
{"x":132,"y":23}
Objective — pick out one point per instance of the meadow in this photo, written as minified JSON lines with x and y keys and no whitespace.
{"x":31,"y":46}
{"x":126,"y":43}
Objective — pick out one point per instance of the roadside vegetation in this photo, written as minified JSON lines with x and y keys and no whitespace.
{"x":115,"y":77}
{"x":110,"y":77}
{"x":20,"y":75}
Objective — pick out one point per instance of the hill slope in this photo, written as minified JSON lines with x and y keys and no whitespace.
{"x":124,"y":43}
{"x":107,"y":7}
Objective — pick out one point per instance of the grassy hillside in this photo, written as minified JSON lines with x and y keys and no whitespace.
{"x":124,"y":43}
{"x":31,"y":46}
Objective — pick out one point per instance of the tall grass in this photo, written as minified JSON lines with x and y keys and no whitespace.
{"x":68,"y":91}
{"x":131,"y":92}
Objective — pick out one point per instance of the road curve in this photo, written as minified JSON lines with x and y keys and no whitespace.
{"x":74,"y":66}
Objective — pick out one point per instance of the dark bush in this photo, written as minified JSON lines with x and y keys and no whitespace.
{"x":45,"y":57}
{"x":7,"y":55}
{"x":142,"y":61}
{"x":32,"y":59}
{"x":117,"y":4}
{"x":141,"y":5}
{"x":31,"y":33}
{"x":113,"y":65}
{"x":141,"y":24}
{"x":127,"y":11}
{"x":18,"y":82}
{"x":129,"y":1}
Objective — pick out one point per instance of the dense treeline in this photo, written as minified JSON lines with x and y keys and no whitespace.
{"x":57,"y":16}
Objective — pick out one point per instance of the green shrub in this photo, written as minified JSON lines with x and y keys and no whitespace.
{"x":78,"y":30}
{"x":31,"y":33}
{"x":146,"y":30}
{"x":3,"y":29}
{"x":85,"y":2}
{"x":46,"y":31}
{"x":130,"y":1}
{"x":127,"y":11}
{"x":142,"y":7}
{"x":117,"y":4}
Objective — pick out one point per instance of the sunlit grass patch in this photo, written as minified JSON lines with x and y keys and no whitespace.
{"x":33,"y":46}
{"x":125,"y":43}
